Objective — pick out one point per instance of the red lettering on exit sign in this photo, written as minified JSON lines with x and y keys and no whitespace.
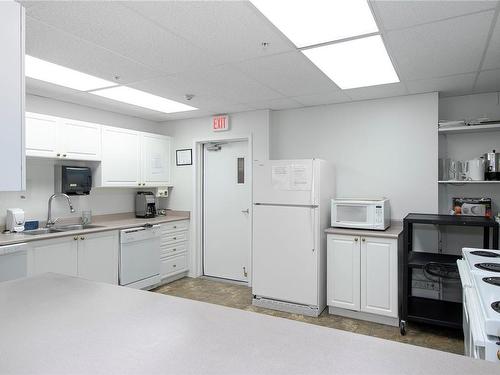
{"x":220,"y":123}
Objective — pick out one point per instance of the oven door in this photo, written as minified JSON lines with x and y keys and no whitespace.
{"x":353,"y":215}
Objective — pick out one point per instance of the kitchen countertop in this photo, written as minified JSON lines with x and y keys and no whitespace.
{"x":54,"y":324}
{"x":393,"y":231}
{"x":106,"y":223}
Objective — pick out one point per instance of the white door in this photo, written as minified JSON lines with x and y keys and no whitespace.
{"x":379,"y":276}
{"x":41,"y":135}
{"x":58,"y":255}
{"x":79,"y":140}
{"x":120,"y":157}
{"x":155,"y":158}
{"x":98,"y":257}
{"x":227,"y":204}
{"x":285,"y":261}
{"x":343,"y":272}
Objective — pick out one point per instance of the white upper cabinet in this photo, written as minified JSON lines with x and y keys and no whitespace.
{"x":80,"y":140}
{"x":155,"y":159}
{"x":12,"y":153}
{"x":120,"y":165}
{"x":55,"y":137}
{"x":131,"y":158}
{"x":41,"y":135}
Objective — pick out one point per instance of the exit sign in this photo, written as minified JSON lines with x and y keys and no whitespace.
{"x":220,"y":123}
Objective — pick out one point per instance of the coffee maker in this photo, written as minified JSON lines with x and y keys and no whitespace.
{"x":492,"y":166}
{"x":145,"y":204}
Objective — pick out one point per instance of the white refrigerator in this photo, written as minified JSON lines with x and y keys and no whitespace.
{"x":290,"y":213}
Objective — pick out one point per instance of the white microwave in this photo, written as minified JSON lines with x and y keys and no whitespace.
{"x":361,"y":213}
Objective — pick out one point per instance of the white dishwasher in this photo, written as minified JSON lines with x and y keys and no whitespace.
{"x":13,"y":261}
{"x":140,"y":257}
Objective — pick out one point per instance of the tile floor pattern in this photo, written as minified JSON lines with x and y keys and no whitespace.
{"x":240,"y":297}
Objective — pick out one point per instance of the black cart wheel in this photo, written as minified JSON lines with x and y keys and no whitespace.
{"x":402,"y":327}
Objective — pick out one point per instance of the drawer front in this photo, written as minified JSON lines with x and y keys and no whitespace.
{"x":175,"y":249}
{"x":171,"y":238}
{"x":175,"y":226}
{"x":173,"y":265}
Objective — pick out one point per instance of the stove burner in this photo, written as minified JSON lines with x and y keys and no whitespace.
{"x":496,"y":306}
{"x":482,"y":253}
{"x":492,"y":280}
{"x":493,"y":267}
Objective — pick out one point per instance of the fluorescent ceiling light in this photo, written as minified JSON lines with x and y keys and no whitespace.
{"x":62,"y":76}
{"x":311,"y":22}
{"x":143,"y":99}
{"x":356,"y":63}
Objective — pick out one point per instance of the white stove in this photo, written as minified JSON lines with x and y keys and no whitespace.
{"x":480,"y":277}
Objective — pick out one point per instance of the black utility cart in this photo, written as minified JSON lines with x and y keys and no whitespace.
{"x":428,"y":310}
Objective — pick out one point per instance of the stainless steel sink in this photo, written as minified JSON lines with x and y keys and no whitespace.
{"x":67,"y":228}
{"x":35,"y":232}
{"x":62,"y":228}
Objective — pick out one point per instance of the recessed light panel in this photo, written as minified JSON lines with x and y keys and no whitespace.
{"x":62,"y":76}
{"x":356,"y":63}
{"x":143,"y":99}
{"x":311,"y":22}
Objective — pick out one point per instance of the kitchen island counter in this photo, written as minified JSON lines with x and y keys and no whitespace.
{"x":64,"y":325}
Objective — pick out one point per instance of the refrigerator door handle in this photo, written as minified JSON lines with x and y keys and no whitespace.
{"x":312,"y":229}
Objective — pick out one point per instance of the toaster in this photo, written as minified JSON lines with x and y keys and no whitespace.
{"x":15,"y":220}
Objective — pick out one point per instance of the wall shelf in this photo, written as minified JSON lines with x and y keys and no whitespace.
{"x":470,"y":129}
{"x":468,"y":182}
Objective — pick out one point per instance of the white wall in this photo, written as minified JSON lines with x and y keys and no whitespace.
{"x":184,"y":132}
{"x":40,"y":172}
{"x":385,"y":147}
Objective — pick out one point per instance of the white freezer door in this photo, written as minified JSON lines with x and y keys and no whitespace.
{"x":290,"y":182}
{"x":285,"y":266}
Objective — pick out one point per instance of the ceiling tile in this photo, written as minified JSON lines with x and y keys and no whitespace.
{"x":61,"y":48}
{"x":402,"y":14}
{"x":380,"y":91}
{"x":488,"y":81}
{"x":440,"y":49}
{"x":492,"y":58}
{"x":275,"y":104}
{"x":111,"y":25}
{"x":222,"y":81}
{"x":291,"y":74}
{"x":331,"y":97}
{"x":228,"y":30}
{"x":446,"y":86}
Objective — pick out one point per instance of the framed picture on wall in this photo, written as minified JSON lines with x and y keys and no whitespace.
{"x":184,"y":157}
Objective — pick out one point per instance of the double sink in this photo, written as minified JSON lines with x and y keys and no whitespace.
{"x":62,"y":228}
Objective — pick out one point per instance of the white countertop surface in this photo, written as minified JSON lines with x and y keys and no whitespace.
{"x":105,"y":222}
{"x":53,"y":324}
{"x":393,"y":231}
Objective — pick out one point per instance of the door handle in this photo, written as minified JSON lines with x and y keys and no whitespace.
{"x":246,"y":211}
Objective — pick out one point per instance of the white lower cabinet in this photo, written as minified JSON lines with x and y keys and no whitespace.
{"x":58,"y":255}
{"x":98,"y":257}
{"x":90,"y":256}
{"x":174,"y":249}
{"x":362,"y":274}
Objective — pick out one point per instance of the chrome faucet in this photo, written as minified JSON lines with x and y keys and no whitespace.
{"x":50,"y":221}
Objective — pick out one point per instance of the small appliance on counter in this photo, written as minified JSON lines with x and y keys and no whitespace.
{"x":73,"y":180}
{"x":145,"y":204}
{"x":472,"y":207}
{"x":361,"y":213}
{"x":492,"y":165}
{"x":15,"y":220}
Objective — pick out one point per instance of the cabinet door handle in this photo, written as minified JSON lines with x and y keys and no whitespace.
{"x":64,"y":155}
{"x":174,"y":249}
{"x":58,"y":155}
{"x":363,"y":239}
{"x":75,"y":238}
{"x":356,"y":239}
{"x":175,"y":265}
{"x":82,"y":238}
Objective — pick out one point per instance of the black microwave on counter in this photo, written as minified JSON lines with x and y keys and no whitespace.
{"x":73,"y":180}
